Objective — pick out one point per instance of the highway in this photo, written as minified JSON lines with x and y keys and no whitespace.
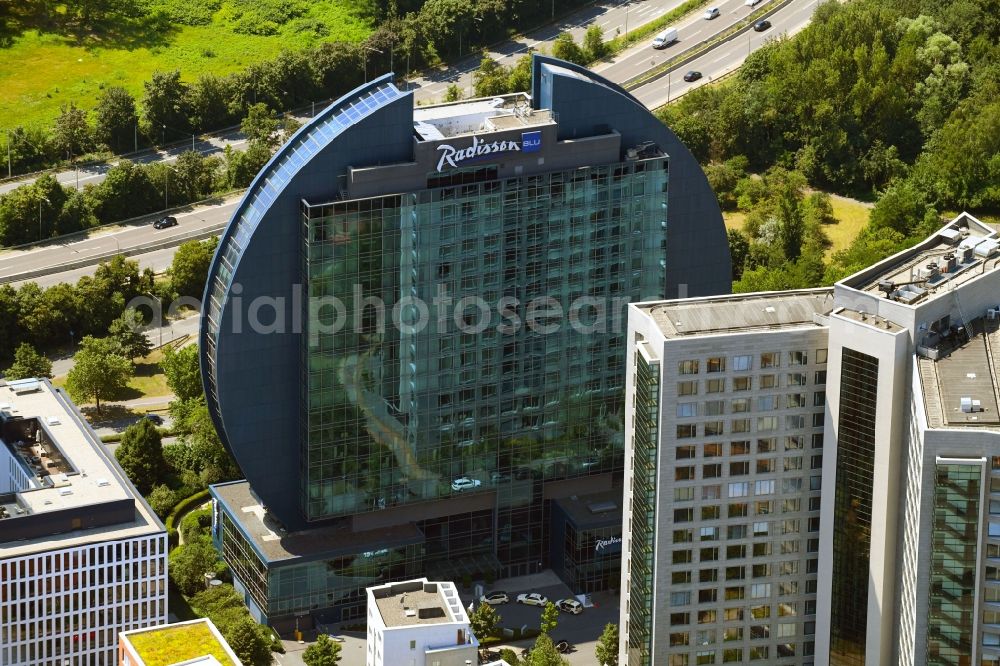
{"x":18,"y":265}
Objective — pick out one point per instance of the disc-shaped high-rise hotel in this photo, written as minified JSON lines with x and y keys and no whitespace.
{"x":414,"y":344}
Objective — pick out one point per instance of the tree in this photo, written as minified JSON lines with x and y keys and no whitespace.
{"x":550,"y":618}
{"x":248,"y":641}
{"x":448,"y":24}
{"x":189,"y":563}
{"x":452,"y":93}
{"x":99,"y":371}
{"x":162,"y":500}
{"x":164,"y":104}
{"x":520,"y":74}
{"x":484,"y":621}
{"x":593,"y":43}
{"x":491,"y":78}
{"x":209,"y":101}
{"x":28,"y":363}
{"x":606,"y":649}
{"x":566,"y":48}
{"x":127,"y":332}
{"x":116,"y":121}
{"x":510,"y":657}
{"x":902,"y":207}
{"x":261,"y":125}
{"x":182,"y":371}
{"x":189,"y":268}
{"x":324,"y":652}
{"x":125,"y":192}
{"x":71,"y":134}
{"x":544,"y":653}
{"x":739,"y":251}
{"x":141,"y":455}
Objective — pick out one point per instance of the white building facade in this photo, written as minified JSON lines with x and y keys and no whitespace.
{"x":418,"y":623}
{"x":82,"y":557}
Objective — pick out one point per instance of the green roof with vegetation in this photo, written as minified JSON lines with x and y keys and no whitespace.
{"x":169,"y":645}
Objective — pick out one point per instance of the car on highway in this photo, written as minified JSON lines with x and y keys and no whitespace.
{"x":165,"y":222}
{"x":752,"y":3}
{"x":532,"y":599}
{"x":571,"y":606}
{"x":761,"y":26}
{"x":665,"y":38}
{"x":495,"y":598}
{"x":711,"y":13}
{"x":693,"y":75}
{"x":465,"y":483}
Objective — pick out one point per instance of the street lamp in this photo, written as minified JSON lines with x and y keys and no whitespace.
{"x":626,"y":19}
{"x":166,"y":186}
{"x":366,"y":50}
{"x":8,"y":154}
{"x":45,"y":199}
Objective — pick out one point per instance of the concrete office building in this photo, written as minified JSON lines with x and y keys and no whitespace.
{"x":910,"y":541}
{"x":723,"y":461}
{"x":419,"y":623}
{"x":82,"y":556}
{"x":503,"y":237}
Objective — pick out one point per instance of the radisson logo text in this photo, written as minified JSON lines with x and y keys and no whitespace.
{"x":530,"y":142}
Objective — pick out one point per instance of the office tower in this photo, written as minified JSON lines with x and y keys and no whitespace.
{"x":420,"y":623}
{"x":192,"y":643}
{"x":723,"y":463}
{"x":910,"y":542}
{"x":413,"y":334}
{"x":82,"y":556}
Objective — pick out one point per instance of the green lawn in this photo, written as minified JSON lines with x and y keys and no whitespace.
{"x":41,"y":71}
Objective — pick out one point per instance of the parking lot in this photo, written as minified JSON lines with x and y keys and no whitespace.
{"x":581,"y":631}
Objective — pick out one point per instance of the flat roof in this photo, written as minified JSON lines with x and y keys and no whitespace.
{"x":962,"y":250}
{"x":193,"y":642}
{"x":594,"y":510}
{"x":960,"y":386}
{"x":740,"y":313}
{"x":48,"y":426}
{"x":418,"y":602}
{"x":275,"y":543}
{"x":486,"y":114}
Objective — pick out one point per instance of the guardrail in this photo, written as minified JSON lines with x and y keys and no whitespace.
{"x":684,"y":58}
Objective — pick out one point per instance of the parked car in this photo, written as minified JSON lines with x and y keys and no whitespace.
{"x":711,"y":13}
{"x":693,"y":75}
{"x":761,"y":26}
{"x":563,"y":646}
{"x":494,"y":598}
{"x":465,"y":483}
{"x":499,"y":477}
{"x":532,"y":599}
{"x":570,"y":606}
{"x":155,"y":419}
{"x":165,"y":222}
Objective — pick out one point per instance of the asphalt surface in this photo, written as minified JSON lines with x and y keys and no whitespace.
{"x":17,"y":265}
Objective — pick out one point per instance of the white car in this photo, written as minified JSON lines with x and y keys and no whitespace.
{"x":495,"y":598}
{"x":570,"y":606}
{"x":711,"y":13}
{"x":465,"y":483}
{"x":752,"y":3}
{"x":532,"y":599}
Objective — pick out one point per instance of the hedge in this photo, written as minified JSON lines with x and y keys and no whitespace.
{"x":180,"y":508}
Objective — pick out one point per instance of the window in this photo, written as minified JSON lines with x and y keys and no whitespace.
{"x":683,"y":473}
{"x":733,"y":615}
{"x":740,"y":425}
{"x":770,"y":360}
{"x":712,"y":450}
{"x":687,"y":431}
{"x":708,"y":555}
{"x":709,"y":534}
{"x":742,"y":363}
{"x":715,"y":386}
{"x":795,"y":400}
{"x":821,"y":356}
{"x":687,"y":388}
{"x":710,"y":512}
{"x":763,"y":508}
{"x":760,"y":590}
{"x":739,"y":510}
{"x":716,"y":364}
{"x":761,"y":571}
{"x":711,"y":471}
{"x":679,"y":638}
{"x":682,"y":536}
{"x":767,"y":403}
{"x":687,"y":368}
{"x":683,"y":494}
{"x":680,"y":598}
{"x":792,"y":464}
{"x":765,"y":465}
{"x":768,"y":381}
{"x":740,"y":405}
{"x":680,"y":577}
{"x":682,"y":556}
{"x":763,"y":487}
{"x":679,"y":619}
{"x":735,"y":593}
{"x":767,"y":423}
{"x":819,"y":398}
{"x":413,"y":645}
{"x":766,"y":445}
{"x":704,"y":657}
{"x":760,"y":529}
{"x":819,"y":377}
{"x":687,"y":409}
{"x":791,"y":505}
{"x":732,"y":634}
{"x":708,"y":575}
{"x":706,"y":616}
{"x":739,"y":448}
{"x":714,"y":428}
{"x":796,"y":379}
{"x":707,"y":596}
{"x":742,"y":383}
{"x":736,"y":532}
{"x":685,"y":515}
{"x":798,"y":358}
{"x":739,"y":468}
{"x":796,"y":422}
{"x":710,"y":492}
{"x":715,"y":407}
{"x":761,"y":549}
{"x":738,"y":489}
{"x":794,"y":442}
{"x":685,"y":452}
{"x":736,"y":552}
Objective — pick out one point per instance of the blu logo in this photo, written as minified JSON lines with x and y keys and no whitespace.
{"x":531,"y":142}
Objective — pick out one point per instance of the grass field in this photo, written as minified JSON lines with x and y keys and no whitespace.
{"x":39,"y":72}
{"x":851,"y":218}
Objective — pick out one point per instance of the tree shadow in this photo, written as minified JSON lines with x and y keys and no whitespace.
{"x":150,"y":31}
{"x":110,"y":415}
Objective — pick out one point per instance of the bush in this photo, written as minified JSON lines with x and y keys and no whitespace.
{"x":181,"y":507}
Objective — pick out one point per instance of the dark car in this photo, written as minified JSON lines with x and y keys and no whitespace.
{"x":166,"y":222}
{"x":693,"y":75}
{"x":761,"y":26}
{"x":155,"y":419}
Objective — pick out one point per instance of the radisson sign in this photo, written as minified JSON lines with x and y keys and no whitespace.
{"x":450,"y":156}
